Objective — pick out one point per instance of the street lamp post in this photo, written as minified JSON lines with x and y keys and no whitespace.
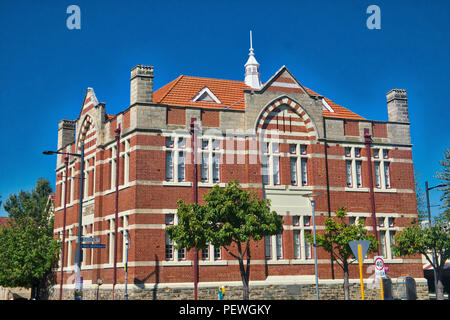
{"x":80,"y":217}
{"x":194,"y":196}
{"x":66,"y":164}
{"x":127,"y":243}
{"x":311,"y":197}
{"x":429,"y":221}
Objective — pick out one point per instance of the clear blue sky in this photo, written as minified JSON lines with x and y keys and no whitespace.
{"x":45,"y":68}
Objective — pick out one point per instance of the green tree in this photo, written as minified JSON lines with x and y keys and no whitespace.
{"x":27,"y":247}
{"x":238,"y":216}
{"x":192,"y":229}
{"x":231,"y":218}
{"x":428,"y":241}
{"x":335,"y":240}
{"x":444,"y":176}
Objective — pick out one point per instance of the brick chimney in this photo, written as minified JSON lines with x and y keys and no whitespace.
{"x":66,"y":132}
{"x":397,"y":104}
{"x":141,"y":86}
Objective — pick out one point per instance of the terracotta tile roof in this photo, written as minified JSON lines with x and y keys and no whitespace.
{"x":183,"y":89}
{"x":339,"y":111}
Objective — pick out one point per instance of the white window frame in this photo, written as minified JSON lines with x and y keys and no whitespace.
{"x":211,"y":155}
{"x":383,"y":165}
{"x":303,"y":248}
{"x":354,"y":172}
{"x":389,"y":231}
{"x":176,"y":253}
{"x":175,"y":150}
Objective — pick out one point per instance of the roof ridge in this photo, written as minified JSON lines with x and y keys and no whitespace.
{"x":197,"y":77}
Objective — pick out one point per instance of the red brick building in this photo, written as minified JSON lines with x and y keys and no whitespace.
{"x":280,"y":139}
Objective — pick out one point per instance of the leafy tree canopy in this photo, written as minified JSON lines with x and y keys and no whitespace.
{"x":27,"y":247}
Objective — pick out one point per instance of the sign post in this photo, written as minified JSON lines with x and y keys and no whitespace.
{"x":359,"y":249}
{"x":380,"y":272}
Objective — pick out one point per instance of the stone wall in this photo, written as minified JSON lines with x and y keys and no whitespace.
{"x":328,"y":290}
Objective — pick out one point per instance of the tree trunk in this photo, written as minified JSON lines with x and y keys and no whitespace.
{"x":244,"y":285}
{"x":346,"y":282}
{"x":440,"y":286}
{"x":245,"y":274}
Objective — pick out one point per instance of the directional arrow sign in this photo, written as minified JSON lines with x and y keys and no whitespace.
{"x":364,"y":246}
{"x":93,"y":246}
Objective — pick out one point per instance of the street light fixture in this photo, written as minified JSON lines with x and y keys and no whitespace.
{"x":429,"y":221}
{"x":311,"y":197}
{"x":80,"y":217}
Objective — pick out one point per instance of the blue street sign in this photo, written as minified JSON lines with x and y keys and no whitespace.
{"x":93,"y":246}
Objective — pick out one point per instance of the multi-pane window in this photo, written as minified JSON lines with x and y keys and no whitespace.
{"x":387,"y":178}
{"x":387,"y":229}
{"x":211,"y":253}
{"x":377,"y":175}
{"x":273,"y":246}
{"x":205,"y":253}
{"x":353,"y":167}
{"x":293,"y":166}
{"x":210,"y":160}
{"x":297,"y":244}
{"x":382,"y":168}
{"x":270,"y":163}
{"x":171,"y":252}
{"x":112,"y":166}
{"x":279,"y":244}
{"x":268,"y":247}
{"x":169,"y":242}
{"x":124,"y":231}
{"x":169,"y":165}
{"x":217,"y":253}
{"x":298,"y":164}
{"x":175,"y":159}
{"x":301,"y":228}
{"x":348,"y":168}
{"x":182,"y":254}
{"x":110,"y":233}
{"x":181,"y":166}
{"x":358,"y":174}
{"x":126,"y":162}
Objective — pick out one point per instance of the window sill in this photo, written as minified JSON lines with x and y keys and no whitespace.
{"x":291,"y":187}
{"x":281,"y":261}
{"x":176,"y":263}
{"x":211,"y":184}
{"x":356,"y":189}
{"x":177,"y":184}
{"x":213,"y":263}
{"x":302,"y":261}
{"x":385,"y":190}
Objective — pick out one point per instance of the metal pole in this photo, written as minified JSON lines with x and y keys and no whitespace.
{"x":195,"y":199}
{"x":80,"y":218}
{"x":127,"y":241}
{"x":116,"y":214}
{"x":434,"y":253}
{"x":66,"y":162}
{"x":313,"y":204}
{"x":361,"y":278}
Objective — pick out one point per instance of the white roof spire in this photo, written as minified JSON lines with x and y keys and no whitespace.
{"x":252,"y":69}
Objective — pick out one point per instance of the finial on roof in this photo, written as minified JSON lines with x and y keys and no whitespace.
{"x":252,"y":69}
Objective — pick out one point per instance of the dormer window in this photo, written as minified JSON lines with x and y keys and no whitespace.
{"x":205,"y":95}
